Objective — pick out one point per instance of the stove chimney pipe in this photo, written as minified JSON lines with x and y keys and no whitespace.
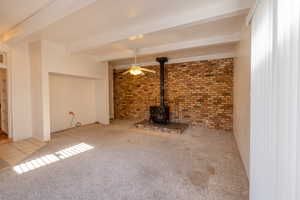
{"x":162,"y":61}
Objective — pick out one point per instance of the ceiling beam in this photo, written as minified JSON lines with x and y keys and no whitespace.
{"x":44,"y":17}
{"x":252,"y":12}
{"x":220,"y":10}
{"x":182,"y":60}
{"x":175,"y":46}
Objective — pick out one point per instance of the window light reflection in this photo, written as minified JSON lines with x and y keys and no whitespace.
{"x":52,"y":158}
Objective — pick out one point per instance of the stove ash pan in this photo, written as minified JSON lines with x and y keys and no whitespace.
{"x":159,"y":114}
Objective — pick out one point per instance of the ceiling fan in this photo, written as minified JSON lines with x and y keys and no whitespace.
{"x":136,"y":69}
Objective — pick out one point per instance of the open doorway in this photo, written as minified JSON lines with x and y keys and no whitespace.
{"x":4,"y":137}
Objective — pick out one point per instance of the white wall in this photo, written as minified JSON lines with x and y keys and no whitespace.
{"x":28,"y":71}
{"x":20,"y":90}
{"x":56,"y":59}
{"x":68,"y":93}
{"x":111,"y":92}
{"x":241,"y":108}
{"x":102,"y":96}
{"x":275,"y":101}
{"x":36,"y":89}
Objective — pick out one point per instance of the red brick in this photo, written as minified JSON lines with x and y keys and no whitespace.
{"x":199,"y":93}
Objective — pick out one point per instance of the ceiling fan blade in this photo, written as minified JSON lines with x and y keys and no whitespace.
{"x":148,"y":70}
{"x":126,"y":72}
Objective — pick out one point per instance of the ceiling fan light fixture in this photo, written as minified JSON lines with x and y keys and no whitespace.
{"x":135,"y":37}
{"x":135,"y":70}
{"x":132,"y":38}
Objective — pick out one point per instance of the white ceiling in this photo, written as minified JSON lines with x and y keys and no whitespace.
{"x":102,"y":27}
{"x":222,"y":50}
{"x":107,"y":15}
{"x":13,"y":12}
{"x":226,"y":26}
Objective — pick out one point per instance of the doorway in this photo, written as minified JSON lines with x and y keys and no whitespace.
{"x":4,"y":138}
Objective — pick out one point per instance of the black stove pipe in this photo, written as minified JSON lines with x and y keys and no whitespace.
{"x":162,"y":61}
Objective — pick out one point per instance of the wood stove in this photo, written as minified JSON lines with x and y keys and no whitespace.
{"x":160,"y":114}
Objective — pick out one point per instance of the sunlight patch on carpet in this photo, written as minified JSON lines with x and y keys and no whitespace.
{"x":52,"y":158}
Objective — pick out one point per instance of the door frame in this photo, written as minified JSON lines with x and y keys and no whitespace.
{"x":6,"y":65}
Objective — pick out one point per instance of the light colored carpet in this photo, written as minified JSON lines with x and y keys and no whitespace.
{"x":134,"y":165}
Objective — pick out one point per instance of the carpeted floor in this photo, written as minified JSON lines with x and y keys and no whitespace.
{"x":130,"y":164}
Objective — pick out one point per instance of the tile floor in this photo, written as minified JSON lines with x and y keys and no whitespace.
{"x":14,"y":152}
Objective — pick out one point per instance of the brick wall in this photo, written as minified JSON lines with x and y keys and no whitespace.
{"x":199,"y":93}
